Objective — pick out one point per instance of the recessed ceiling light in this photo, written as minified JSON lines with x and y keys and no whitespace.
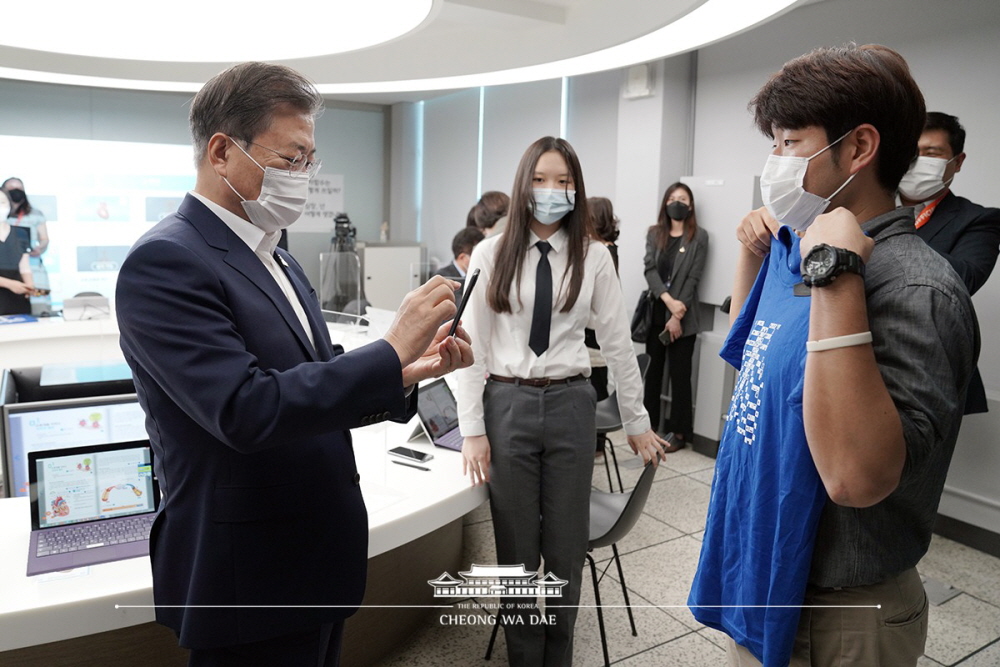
{"x":206,"y":31}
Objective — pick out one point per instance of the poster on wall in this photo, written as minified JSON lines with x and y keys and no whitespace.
{"x":98,"y":198}
{"x":326,"y":200}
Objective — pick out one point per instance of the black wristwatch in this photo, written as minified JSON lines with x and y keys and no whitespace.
{"x":825,"y":262}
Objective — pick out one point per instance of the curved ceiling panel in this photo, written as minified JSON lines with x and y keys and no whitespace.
{"x":431,"y":45}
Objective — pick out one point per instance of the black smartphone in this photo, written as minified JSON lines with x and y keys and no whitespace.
{"x":39,"y":291}
{"x":465,"y":301}
{"x":411,"y":454}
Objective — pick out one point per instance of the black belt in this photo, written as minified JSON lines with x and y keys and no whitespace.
{"x":538,"y":382}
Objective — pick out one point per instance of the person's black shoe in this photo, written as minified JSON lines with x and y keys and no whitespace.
{"x":676,"y":444}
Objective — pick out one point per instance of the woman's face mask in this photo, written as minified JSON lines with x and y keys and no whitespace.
{"x":552,"y":205}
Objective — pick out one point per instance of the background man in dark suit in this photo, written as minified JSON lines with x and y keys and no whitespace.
{"x":461,"y":248}
{"x":247,"y":402}
{"x":964,"y":233}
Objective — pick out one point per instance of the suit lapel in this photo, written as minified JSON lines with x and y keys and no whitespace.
{"x":943,"y":214}
{"x":242,"y":259}
{"x":311,"y":307}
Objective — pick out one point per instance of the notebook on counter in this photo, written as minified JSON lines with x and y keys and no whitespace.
{"x":90,"y":505}
{"x":437,"y":413}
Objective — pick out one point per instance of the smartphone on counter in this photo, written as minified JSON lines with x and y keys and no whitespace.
{"x":465,"y":301}
{"x":411,"y":454}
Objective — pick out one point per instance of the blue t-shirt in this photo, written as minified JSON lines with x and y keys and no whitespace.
{"x":766,"y":495}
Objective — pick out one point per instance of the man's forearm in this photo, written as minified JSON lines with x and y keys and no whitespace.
{"x":851,"y":423}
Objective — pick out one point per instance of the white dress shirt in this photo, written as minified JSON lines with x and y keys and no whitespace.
{"x":500,"y":340}
{"x":262,"y":244}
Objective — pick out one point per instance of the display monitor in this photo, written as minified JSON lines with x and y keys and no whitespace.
{"x":64,"y":423}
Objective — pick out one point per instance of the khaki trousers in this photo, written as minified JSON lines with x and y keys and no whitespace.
{"x":833,"y":632}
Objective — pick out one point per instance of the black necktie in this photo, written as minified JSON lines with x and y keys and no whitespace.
{"x":541,"y":317}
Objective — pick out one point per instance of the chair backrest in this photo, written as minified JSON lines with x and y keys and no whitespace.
{"x":631,"y":512}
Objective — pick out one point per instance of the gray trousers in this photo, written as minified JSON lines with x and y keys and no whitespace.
{"x":542,"y":463}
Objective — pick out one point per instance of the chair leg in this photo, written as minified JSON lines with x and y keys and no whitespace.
{"x":600,"y":613}
{"x":621,"y":578}
{"x":493,"y":635}
{"x":611,"y":448}
{"x":607,"y":466}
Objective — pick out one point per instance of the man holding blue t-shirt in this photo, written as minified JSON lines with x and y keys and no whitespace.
{"x":854,"y":343}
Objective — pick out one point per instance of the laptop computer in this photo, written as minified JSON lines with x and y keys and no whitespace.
{"x":89,"y":505}
{"x":437,"y":413}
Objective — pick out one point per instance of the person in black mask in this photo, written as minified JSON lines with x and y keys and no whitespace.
{"x":15,"y":275}
{"x":676,"y":249}
{"x":23,"y":214}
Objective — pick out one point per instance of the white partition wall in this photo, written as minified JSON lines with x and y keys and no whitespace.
{"x":513,"y":117}
{"x":449,"y":168}
{"x":592,"y":128}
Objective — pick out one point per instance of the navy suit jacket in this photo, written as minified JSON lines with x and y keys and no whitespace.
{"x":249,"y":427}
{"x":968,"y":236}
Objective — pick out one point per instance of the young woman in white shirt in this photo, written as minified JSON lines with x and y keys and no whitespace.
{"x":529,"y":429}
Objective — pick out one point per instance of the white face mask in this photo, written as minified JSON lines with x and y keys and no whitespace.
{"x":925,"y":178}
{"x":552,"y":205}
{"x":282,"y":198}
{"x":783,"y":194}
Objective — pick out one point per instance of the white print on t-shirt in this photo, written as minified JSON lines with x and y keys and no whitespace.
{"x":745,"y":407}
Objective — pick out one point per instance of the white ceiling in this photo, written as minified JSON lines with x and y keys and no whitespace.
{"x":462,"y":43}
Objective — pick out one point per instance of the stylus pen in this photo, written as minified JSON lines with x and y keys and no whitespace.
{"x":411,"y":465}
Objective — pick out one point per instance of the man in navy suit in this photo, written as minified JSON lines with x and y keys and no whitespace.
{"x":964,"y":233}
{"x":260,"y":548}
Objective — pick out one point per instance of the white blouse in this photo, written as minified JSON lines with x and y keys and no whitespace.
{"x":500,"y":340}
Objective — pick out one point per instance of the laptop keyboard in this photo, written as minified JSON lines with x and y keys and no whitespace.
{"x":452,"y":439}
{"x":99,"y":534}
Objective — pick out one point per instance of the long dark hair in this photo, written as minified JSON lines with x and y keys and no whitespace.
{"x":603,"y":218}
{"x":24,"y":206}
{"x":662,"y":225}
{"x":510,"y":254}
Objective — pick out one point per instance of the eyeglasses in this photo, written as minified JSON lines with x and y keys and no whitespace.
{"x":299,"y":163}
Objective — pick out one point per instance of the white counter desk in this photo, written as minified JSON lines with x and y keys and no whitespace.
{"x":51,"y":340}
{"x":404,"y":504}
{"x":406,"y":507}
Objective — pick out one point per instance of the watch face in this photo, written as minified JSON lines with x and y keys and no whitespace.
{"x":820,"y":261}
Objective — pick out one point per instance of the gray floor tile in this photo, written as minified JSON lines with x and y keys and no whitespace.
{"x":653,"y":625}
{"x":704,"y":476}
{"x":666,"y":573}
{"x":690,"y":650}
{"x":481,"y":513}
{"x":714,"y":636}
{"x":965,"y":568}
{"x":687,"y":461}
{"x":987,"y":657}
{"x":680,"y":502}
{"x":959,"y":627}
{"x":448,"y":643}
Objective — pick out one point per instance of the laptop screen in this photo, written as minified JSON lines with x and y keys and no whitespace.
{"x":91,"y":483}
{"x":63,"y":423}
{"x":437,"y":408}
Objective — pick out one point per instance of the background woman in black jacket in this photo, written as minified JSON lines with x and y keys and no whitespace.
{"x":676,"y":249}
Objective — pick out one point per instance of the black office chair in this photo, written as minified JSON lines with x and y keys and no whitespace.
{"x":612,"y":516}
{"x":609,"y":419}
